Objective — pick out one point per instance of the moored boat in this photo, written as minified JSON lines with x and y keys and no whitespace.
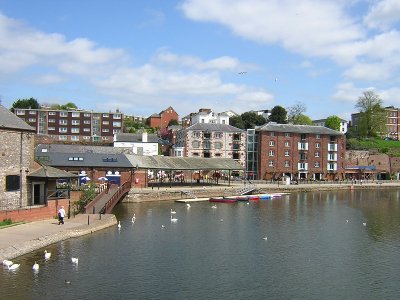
{"x":222,"y":200}
{"x":265,"y":197}
{"x":253,"y":197}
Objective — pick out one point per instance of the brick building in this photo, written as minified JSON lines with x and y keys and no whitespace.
{"x":162,"y":119}
{"x":299,"y":152}
{"x":74,"y":125}
{"x":211,"y":141}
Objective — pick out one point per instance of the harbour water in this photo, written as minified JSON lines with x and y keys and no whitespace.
{"x":316,"y":245}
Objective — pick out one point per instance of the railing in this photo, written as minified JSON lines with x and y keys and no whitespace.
{"x":189,"y":194}
{"x":246,"y":189}
{"x":122,"y":190}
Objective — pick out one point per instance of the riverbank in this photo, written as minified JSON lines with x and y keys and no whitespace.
{"x":170,"y":193}
{"x":25,"y":238}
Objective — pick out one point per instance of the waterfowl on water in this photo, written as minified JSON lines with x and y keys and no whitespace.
{"x":47,"y":255}
{"x":35,"y":266}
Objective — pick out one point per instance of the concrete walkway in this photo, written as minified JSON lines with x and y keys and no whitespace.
{"x":22,"y":239}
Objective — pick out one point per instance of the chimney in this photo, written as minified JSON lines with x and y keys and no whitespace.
{"x":144,"y":137}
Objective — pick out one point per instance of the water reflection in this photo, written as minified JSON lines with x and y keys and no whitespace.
{"x":316,"y":243}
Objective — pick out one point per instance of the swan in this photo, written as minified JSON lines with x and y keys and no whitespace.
{"x":47,"y":255}
{"x":35,"y":266}
{"x":188,"y":205}
{"x":13,"y":266}
{"x":7,"y":262}
{"x":172,"y":211}
{"x":174,"y":219}
{"x":133,"y":218}
{"x":265,"y":238}
{"x":162,"y":226}
{"x":214,"y":206}
{"x":365,"y":224}
{"x":74,"y":260}
{"x":67,"y":282}
{"x":119,"y":225}
{"x":347,"y":221}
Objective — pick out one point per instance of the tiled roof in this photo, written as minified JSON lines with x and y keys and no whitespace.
{"x":214,"y":127}
{"x":61,"y":148}
{"x":51,"y":172}
{"x":297,"y":129}
{"x":10,"y":121}
{"x":135,"y":137}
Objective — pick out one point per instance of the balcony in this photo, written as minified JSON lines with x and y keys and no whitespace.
{"x":302,"y":167}
{"x":332,"y":157}
{"x":302,"y":146}
{"x":332,"y":147}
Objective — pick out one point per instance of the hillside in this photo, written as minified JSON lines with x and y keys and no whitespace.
{"x":390,"y":147}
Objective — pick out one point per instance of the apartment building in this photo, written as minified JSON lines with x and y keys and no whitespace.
{"x":206,"y":115}
{"x":162,"y":119}
{"x":211,"y":141}
{"x":74,"y":125}
{"x":392,"y":124}
{"x":321,"y":122}
{"x":300,"y":152}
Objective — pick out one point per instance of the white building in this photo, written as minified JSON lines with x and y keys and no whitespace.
{"x":141,"y":144}
{"x":321,"y":122}
{"x":207,"y":116}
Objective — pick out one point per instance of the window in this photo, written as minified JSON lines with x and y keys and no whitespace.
{"x":235,"y":155}
{"x":74,"y":130}
{"x":117,"y":116}
{"x":116,"y":131}
{"x":104,"y":138}
{"x":75,"y":122}
{"x":20,"y":112}
{"x":86,"y":137}
{"x":106,"y":123}
{"x":217,"y":154}
{"x":62,"y":137}
{"x":271,"y":143}
{"x":206,"y":145}
{"x":316,"y":164}
{"x":196,"y":144}
{"x":195,"y":154}
{"x":236,"y":136}
{"x":287,"y":164}
{"x":32,"y":112}
{"x":317,"y":154}
{"x":271,"y":152}
{"x":105,"y":130}
{"x":105,"y":115}
{"x":52,"y":113}
{"x":317,"y":145}
{"x":287,"y":134}
{"x":317,"y":136}
{"x":196,"y":134}
{"x":75,"y":138}
{"x":287,"y":144}
{"x":86,"y":122}
{"x":51,"y":128}
{"x":63,"y":122}
{"x":117,"y":124}
{"x":286,"y":152}
{"x":86,"y":129}
{"x":62,"y":129}
{"x":271,"y":163}
{"x":217,"y":145}
{"x":87,"y":115}
{"x":272,"y":133}
{"x":12,"y":183}
{"x":32,"y":120}
{"x":206,"y":135}
{"x":63,"y":114}
{"x":218,"y":135}
{"x":302,"y":136}
{"x":52,"y":120}
{"x":76,"y":115}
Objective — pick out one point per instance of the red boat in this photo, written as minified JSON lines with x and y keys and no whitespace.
{"x":222,"y":200}
{"x":253,"y":198}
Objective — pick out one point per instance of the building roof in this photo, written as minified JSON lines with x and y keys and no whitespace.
{"x":272,"y":126}
{"x":10,"y":121}
{"x":323,"y":120}
{"x":51,"y":172}
{"x":183,"y":163}
{"x":136,"y":138}
{"x":61,"y":148}
{"x":97,"y":160}
{"x":214,"y":127}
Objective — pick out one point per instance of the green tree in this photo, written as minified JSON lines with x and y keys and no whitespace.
{"x":295,"y":111}
{"x":173,"y":122}
{"x":25,"y":103}
{"x":302,"y":120}
{"x":252,"y":119}
{"x":69,"y":105}
{"x":372,"y":117}
{"x":236,"y":121}
{"x":333,"y":122}
{"x":278,"y":115}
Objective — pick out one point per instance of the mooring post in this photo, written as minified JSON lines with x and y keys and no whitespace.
{"x":100,"y":216}
{"x":88,"y":220}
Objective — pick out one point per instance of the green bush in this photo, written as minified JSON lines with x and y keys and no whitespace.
{"x":87,"y":195}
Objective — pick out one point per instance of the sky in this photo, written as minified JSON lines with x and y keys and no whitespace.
{"x":143,"y":56}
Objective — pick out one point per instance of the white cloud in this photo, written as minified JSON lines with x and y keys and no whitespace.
{"x":383,"y":14}
{"x":347,"y":92}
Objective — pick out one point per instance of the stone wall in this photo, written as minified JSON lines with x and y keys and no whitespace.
{"x":13,"y":161}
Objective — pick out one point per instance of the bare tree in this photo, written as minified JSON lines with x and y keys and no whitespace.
{"x":295,"y":111}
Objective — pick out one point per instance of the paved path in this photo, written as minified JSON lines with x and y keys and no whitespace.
{"x":21,"y":239}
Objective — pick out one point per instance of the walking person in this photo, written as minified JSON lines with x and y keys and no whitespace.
{"x":61,"y":215}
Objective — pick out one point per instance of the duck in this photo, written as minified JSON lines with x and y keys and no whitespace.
{"x":74,"y":260}
{"x":7,"y":262}
{"x":35,"y":266}
{"x":172,"y":211}
{"x":119,"y":225}
{"x":47,"y":255}
{"x":13,"y":266}
{"x":174,"y":219}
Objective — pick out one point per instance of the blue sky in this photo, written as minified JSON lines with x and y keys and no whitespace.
{"x":143,"y":56}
